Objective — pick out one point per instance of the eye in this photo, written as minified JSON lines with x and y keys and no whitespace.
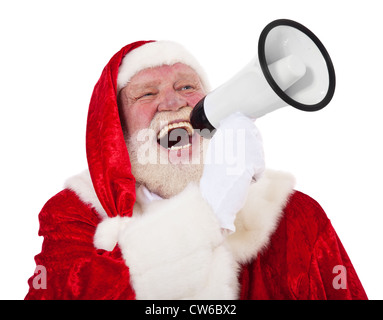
{"x":146,"y":95}
{"x":186,"y":88}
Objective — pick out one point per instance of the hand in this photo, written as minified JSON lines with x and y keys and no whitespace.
{"x":234,"y":157}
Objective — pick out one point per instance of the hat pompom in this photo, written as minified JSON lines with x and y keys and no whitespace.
{"x":107,"y":233}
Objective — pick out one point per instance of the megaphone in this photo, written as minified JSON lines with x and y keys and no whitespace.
{"x":292,"y":68}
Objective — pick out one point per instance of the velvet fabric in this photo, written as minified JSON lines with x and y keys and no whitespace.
{"x":74,"y":268}
{"x":298,"y":263}
{"x":300,"y":259}
{"x":108,"y":158}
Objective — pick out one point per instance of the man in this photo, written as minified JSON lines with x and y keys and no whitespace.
{"x":161,"y":214}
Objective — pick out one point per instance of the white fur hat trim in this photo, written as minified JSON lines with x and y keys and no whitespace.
{"x":155,"y":54}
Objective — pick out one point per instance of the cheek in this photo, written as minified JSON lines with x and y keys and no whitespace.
{"x":193,"y":100}
{"x":139,"y":117}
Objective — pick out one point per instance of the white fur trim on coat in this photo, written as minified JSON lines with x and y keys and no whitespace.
{"x":175,"y":250}
{"x":174,"y":247}
{"x":259,"y":217}
{"x":82,"y":185}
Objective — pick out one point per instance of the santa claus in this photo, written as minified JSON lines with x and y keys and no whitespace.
{"x":163,"y":213}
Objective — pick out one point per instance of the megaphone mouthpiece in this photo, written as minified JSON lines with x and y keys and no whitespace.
{"x":287,"y":71}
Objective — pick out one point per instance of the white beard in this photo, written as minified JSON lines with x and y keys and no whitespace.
{"x":162,"y":172}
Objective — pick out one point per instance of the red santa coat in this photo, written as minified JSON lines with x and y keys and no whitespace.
{"x":284,"y":246}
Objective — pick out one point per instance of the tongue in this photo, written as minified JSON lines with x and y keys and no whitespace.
{"x":175,"y":137}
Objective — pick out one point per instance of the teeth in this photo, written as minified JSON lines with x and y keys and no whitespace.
{"x":182,"y":124}
{"x":181,"y":147}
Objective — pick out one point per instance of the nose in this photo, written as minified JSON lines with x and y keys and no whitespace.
{"x":171,"y":101}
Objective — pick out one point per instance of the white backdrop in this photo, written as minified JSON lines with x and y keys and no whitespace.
{"x":52,"y":53}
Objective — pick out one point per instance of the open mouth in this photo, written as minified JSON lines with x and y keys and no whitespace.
{"x":176,"y":136}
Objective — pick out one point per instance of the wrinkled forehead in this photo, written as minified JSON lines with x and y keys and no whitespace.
{"x":153,"y":77}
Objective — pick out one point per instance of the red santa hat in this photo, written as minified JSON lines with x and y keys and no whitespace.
{"x":107,"y":155}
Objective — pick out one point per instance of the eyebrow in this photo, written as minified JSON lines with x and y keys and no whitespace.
{"x":137,"y":89}
{"x":144,"y":85}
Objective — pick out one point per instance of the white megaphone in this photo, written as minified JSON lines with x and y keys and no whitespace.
{"x":293,"y":68}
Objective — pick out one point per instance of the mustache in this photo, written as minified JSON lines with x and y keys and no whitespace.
{"x":163,"y":118}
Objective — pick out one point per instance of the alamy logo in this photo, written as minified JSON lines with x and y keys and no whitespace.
{"x":340,"y":280}
{"x":40,"y":279}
